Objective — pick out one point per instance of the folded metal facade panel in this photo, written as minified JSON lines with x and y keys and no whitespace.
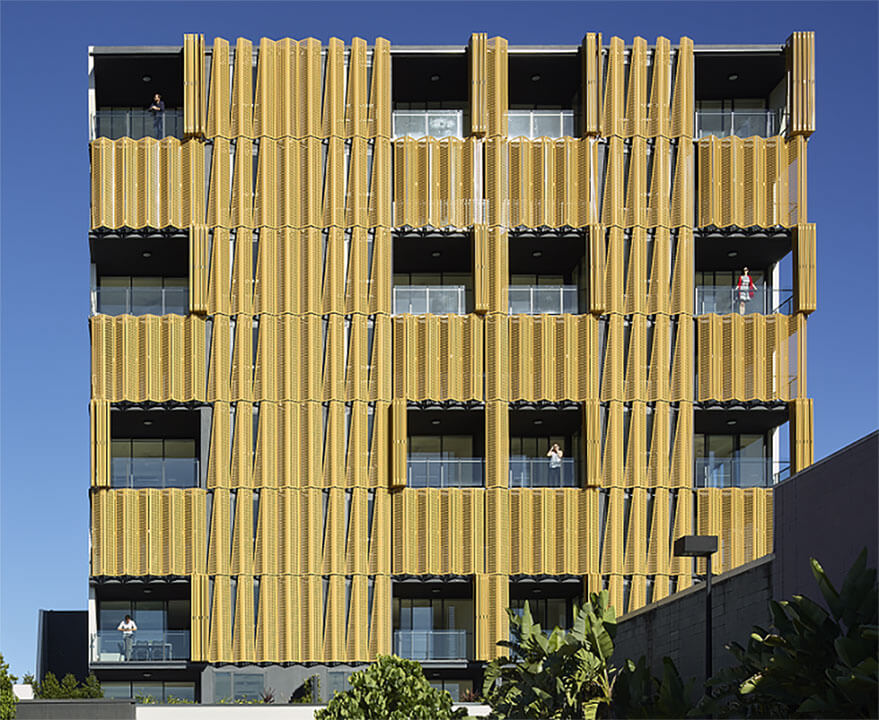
{"x":291,"y":186}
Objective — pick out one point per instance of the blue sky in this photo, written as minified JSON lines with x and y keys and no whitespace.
{"x":44,"y":194}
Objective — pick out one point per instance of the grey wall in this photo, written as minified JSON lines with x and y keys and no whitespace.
{"x":675,"y":627}
{"x":75,"y":710}
{"x":827,"y":512}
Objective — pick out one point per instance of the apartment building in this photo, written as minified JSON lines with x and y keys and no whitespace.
{"x":347,"y":298}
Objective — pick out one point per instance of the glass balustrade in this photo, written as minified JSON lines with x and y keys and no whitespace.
{"x":432,"y":644}
{"x":154,"y":472}
{"x":428,"y":123}
{"x":145,"y":646}
{"x":540,"y":123}
{"x":444,"y":472}
{"x":136,"y":124}
{"x":432,"y":299}
{"x":739,"y":472}
{"x":543,"y":299}
{"x":723,"y":300}
{"x":142,"y":300}
{"x":741,"y":123}
{"x":537,"y":472}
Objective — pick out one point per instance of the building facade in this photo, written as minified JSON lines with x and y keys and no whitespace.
{"x":347,"y":298}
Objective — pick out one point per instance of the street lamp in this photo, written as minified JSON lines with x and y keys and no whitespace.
{"x":703,"y":546}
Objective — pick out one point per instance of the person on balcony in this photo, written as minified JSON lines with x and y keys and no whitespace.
{"x":745,"y":290}
{"x":555,"y":456}
{"x":127,"y":627}
{"x":158,"y":111}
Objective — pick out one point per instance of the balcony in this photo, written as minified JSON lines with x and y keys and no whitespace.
{"x":739,"y":472}
{"x":428,"y":123}
{"x":136,"y":124}
{"x":540,"y":123}
{"x":424,"y":472}
{"x":432,"y":299}
{"x":536,"y":472}
{"x":543,"y":299}
{"x":147,"y":646}
{"x":741,"y":123}
{"x":432,"y":644}
{"x":145,"y":300}
{"x":723,"y":299}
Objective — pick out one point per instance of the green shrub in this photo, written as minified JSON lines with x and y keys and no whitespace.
{"x":811,"y":663}
{"x":68,"y":688}
{"x":392,"y":689}
{"x":563,"y":675}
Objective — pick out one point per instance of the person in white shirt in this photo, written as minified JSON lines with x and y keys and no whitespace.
{"x":555,"y":456}
{"x":127,"y":627}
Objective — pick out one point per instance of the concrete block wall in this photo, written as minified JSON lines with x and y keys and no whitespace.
{"x":675,"y":627}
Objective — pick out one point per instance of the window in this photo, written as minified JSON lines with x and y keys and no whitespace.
{"x":430,"y":628}
{"x":458,"y":689}
{"x":443,"y":461}
{"x":159,"y":691}
{"x":162,"y":631}
{"x":734,"y":460}
{"x":549,"y":612}
{"x":238,"y":686}
{"x":742,"y":117}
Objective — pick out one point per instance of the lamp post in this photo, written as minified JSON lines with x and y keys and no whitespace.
{"x":703,"y":546}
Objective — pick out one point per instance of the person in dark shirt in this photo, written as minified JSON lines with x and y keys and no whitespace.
{"x":158,"y":111}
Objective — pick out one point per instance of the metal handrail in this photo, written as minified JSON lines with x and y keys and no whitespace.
{"x":515,"y":124}
{"x":150,"y":646}
{"x":429,"y":299}
{"x":723,"y":300}
{"x":432,"y":644}
{"x":445,"y":472}
{"x":125,"y":301}
{"x":434,"y":123}
{"x":539,"y":472}
{"x":739,"y":123}
{"x":136,"y":124}
{"x":170,"y":472}
{"x":542,"y":299}
{"x":739,"y":472}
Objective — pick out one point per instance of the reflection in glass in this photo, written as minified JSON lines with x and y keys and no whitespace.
{"x":153,"y":463}
{"x":127,"y":295}
{"x":428,"y":123}
{"x":436,"y":299}
{"x":542,"y":299}
{"x":540,"y":123}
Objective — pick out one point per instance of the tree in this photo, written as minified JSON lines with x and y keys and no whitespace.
{"x":7,"y":697}
{"x":391,"y":688}
{"x":812,"y":663}
{"x":562,"y":675}
{"x":68,"y":688}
